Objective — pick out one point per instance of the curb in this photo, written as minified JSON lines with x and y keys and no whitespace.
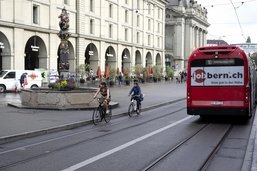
{"x":16,"y":137}
{"x":20,"y":106}
{"x":250,"y":159}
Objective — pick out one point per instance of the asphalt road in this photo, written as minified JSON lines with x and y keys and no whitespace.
{"x":135,"y":143}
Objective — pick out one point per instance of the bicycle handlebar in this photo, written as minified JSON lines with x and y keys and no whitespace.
{"x":135,"y":95}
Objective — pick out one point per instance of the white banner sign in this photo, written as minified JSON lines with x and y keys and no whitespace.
{"x":217,"y":76}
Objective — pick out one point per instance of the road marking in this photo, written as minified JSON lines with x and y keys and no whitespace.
{"x":42,"y":142}
{"x":123,"y":146}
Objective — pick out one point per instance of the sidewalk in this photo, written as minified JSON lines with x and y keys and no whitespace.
{"x":18,"y":123}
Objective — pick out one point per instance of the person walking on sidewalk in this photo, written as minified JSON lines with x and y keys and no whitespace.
{"x":23,"y":79}
{"x":106,"y":96}
{"x":136,"y":92}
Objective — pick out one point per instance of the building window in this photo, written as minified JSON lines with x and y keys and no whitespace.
{"x":91,"y":26}
{"x":149,"y":8}
{"x":149,"y":24}
{"x":126,"y":34}
{"x":158,"y":27}
{"x":126,"y":16}
{"x":138,"y":4}
{"x":126,"y":1}
{"x":138,"y":37}
{"x":35,"y":14}
{"x":66,"y":2}
{"x":138,"y":20}
{"x":110,"y":10}
{"x":149,"y":39}
{"x":158,"y":42}
{"x":92,"y":5}
{"x":159,"y":13}
{"x":110,"y":30}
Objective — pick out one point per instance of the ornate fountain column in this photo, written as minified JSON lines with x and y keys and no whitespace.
{"x":63,"y":63}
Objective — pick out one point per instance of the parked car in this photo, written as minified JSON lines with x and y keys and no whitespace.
{"x":10,"y":79}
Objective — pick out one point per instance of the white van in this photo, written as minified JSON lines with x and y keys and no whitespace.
{"x":10,"y":79}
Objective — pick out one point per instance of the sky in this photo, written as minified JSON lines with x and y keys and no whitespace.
{"x":231,"y":23}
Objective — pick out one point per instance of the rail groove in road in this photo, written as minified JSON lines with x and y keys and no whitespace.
{"x":28,"y":158}
{"x":16,"y":137}
{"x":152,"y":165}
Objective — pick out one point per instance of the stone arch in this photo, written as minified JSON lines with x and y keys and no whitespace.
{"x":5,"y":52}
{"x":138,"y":60}
{"x":148,"y":60}
{"x":110,"y":57}
{"x":125,"y":63}
{"x":35,"y":53}
{"x":91,"y":56}
{"x":158,"y":60}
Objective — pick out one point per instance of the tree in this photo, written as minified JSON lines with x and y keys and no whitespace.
{"x":169,"y":72}
{"x":248,"y":39}
{"x":83,"y":70}
{"x":254,"y":57}
{"x":156,"y":72}
{"x":138,"y":70}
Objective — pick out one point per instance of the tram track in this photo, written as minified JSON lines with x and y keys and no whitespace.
{"x":75,"y":143}
{"x":204,"y":166}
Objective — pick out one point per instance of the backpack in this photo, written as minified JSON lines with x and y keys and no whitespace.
{"x":141,"y":97}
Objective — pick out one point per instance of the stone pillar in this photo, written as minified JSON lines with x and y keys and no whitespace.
{"x":64,"y":36}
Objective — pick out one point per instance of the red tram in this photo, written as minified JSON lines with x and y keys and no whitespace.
{"x":221,"y":80}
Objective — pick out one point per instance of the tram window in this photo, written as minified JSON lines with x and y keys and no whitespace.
{"x":217,"y":62}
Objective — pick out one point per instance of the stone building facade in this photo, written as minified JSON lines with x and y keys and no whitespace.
{"x":186,"y":29}
{"x":116,"y":33}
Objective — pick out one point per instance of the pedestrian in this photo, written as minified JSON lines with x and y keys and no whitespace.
{"x":92,"y":75}
{"x":120,"y":78}
{"x":23,"y":79}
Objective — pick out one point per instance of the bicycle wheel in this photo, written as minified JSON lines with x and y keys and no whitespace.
{"x":131,"y":109}
{"x":108,"y":116}
{"x":96,"y":117}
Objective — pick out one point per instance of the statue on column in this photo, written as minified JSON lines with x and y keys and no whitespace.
{"x":64,"y":36}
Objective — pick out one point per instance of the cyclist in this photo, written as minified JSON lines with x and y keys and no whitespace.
{"x":136,"y":90}
{"x":105,"y":93}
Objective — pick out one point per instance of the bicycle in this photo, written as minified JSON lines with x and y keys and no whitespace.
{"x":99,"y":113}
{"x":133,"y":106}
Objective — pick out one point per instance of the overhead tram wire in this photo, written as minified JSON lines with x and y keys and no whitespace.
{"x":242,"y":32}
{"x":242,"y":2}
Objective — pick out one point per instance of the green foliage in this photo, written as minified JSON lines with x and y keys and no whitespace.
{"x":83,"y":69}
{"x":112,"y":73}
{"x":248,"y":39}
{"x":61,"y":84}
{"x":138,"y":70}
{"x":144,"y":72}
{"x":157,"y":71}
{"x":169,"y":72}
{"x":254,"y":57}
{"x":126,"y":73}
{"x":65,"y":84}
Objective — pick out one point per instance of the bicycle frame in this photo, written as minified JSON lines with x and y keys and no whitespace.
{"x":133,"y":107}
{"x":99,"y":113}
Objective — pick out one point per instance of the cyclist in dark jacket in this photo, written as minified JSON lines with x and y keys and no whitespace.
{"x":136,"y":92}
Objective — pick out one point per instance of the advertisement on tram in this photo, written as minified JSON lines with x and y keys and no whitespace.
{"x":221,"y":80}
